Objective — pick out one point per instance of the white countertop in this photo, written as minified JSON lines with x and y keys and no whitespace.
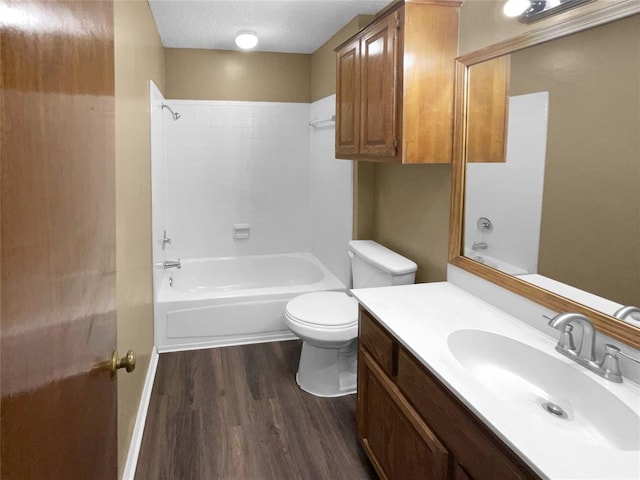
{"x":422,"y":316}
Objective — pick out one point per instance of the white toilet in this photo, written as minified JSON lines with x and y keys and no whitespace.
{"x":327,"y":322}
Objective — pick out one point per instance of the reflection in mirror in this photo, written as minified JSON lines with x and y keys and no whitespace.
{"x":564,"y":198}
{"x":487,"y":110}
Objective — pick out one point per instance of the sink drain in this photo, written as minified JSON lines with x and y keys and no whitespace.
{"x":555,"y":409}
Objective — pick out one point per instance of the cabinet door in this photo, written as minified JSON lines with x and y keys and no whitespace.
{"x":398,"y":443}
{"x":488,"y":90}
{"x":379,"y":135}
{"x":348,"y":99}
{"x":479,"y":454}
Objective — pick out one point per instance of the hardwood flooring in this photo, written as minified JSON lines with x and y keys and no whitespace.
{"x":237,"y":413}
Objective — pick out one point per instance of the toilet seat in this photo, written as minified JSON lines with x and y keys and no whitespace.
{"x":323,"y":310}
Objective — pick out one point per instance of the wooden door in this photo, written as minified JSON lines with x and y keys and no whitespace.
{"x":381,"y":83}
{"x":57,"y":244}
{"x":348,"y":100}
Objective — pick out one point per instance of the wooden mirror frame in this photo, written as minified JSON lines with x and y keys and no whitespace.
{"x":606,"y":324}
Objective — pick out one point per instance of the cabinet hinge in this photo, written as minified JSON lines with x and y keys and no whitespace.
{"x":397,"y":19}
{"x":395,"y":145}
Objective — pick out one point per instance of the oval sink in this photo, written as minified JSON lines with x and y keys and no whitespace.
{"x":552,"y":389}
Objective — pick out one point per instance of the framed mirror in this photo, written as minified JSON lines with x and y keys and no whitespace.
{"x":546,"y":185}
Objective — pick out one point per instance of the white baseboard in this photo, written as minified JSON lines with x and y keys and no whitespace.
{"x":229,"y":342}
{"x":141,"y":418}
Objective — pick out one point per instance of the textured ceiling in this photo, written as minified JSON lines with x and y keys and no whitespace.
{"x":293,"y":26}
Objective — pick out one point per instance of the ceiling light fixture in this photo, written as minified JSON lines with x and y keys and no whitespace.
{"x":246,"y":39}
{"x":528,"y":11}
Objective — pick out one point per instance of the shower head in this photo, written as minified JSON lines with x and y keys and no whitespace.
{"x":175,"y":115}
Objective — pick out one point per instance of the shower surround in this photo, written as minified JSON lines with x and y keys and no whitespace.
{"x":244,"y":163}
{"x":238,"y":163}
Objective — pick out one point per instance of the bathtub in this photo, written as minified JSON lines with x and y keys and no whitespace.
{"x":233,"y":300}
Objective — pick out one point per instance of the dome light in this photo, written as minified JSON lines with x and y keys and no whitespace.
{"x":246,"y":39}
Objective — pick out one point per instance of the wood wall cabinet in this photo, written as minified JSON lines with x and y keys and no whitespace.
{"x":412,"y":426}
{"x":394,"y":85}
{"x":488,"y":110}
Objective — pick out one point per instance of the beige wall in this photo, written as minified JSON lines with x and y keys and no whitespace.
{"x":406,"y":208}
{"x":412,"y":215}
{"x":591,"y":212}
{"x":139,"y":57}
{"x":323,"y":60}
{"x":364,"y":196}
{"x":482,"y":22}
{"x":242,"y":76}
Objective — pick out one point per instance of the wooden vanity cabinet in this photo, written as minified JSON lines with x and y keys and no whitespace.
{"x":398,"y":442}
{"x":394,"y":85}
{"x":412,"y":426}
{"x":396,"y":439}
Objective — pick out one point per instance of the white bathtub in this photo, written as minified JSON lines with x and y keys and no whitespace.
{"x":233,"y":300}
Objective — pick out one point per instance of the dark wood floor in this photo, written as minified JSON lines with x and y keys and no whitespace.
{"x":237,"y":413}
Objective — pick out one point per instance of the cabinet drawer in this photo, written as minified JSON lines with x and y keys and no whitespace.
{"x":475,"y":447}
{"x":380,"y":345}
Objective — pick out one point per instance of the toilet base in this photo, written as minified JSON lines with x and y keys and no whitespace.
{"x":328,"y":372}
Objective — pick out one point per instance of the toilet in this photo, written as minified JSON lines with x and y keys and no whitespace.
{"x":327,"y":322}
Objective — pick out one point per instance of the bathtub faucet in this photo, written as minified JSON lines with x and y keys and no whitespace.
{"x":172,"y":264}
{"x":479,"y":246}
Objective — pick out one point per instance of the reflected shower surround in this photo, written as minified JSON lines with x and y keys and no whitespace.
{"x":510,"y":193}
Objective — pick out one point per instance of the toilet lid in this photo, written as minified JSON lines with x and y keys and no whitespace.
{"x":330,"y":309}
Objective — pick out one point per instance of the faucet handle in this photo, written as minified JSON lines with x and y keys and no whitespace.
{"x":610,"y":364}
{"x":612,"y":348}
{"x":566,"y":338}
{"x":165,"y":240}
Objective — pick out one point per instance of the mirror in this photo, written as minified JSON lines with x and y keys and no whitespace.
{"x":547,"y":168}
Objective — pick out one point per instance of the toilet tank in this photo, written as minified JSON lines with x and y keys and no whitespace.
{"x":373,"y":265}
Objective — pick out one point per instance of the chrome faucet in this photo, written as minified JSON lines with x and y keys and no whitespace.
{"x":479,"y":246}
{"x":629,"y":311}
{"x":608,"y":367}
{"x":172,"y":264}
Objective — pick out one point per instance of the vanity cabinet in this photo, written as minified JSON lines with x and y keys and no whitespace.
{"x":394,"y":85}
{"x":412,"y":426}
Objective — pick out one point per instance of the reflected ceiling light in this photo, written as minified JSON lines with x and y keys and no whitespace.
{"x":246,"y":39}
{"x":528,"y":11}
{"x":515,"y":8}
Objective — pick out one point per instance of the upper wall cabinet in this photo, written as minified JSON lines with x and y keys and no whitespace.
{"x":394,"y":86}
{"x":487,"y":113}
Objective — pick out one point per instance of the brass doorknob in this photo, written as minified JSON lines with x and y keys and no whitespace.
{"x":127,"y":362}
